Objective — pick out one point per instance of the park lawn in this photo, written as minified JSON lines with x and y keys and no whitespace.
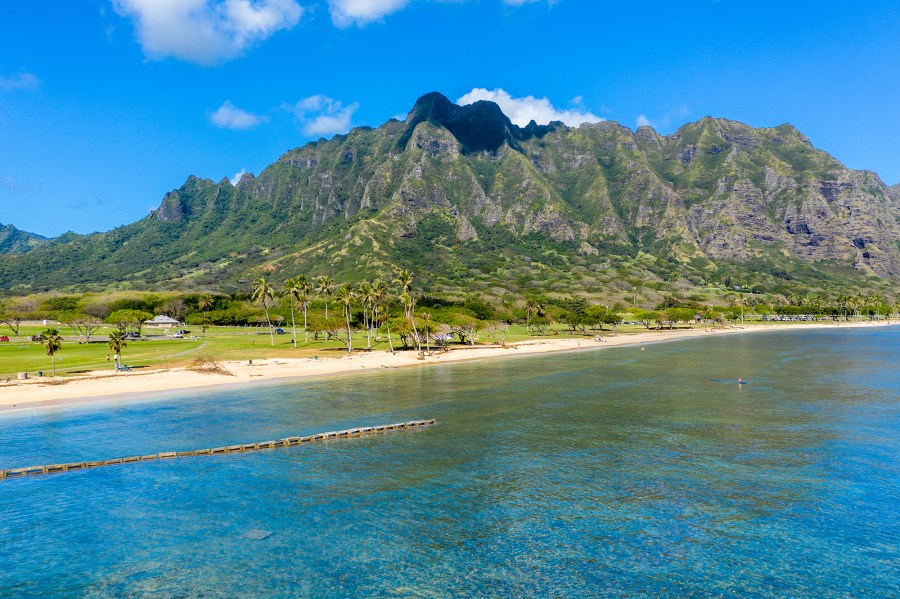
{"x":216,"y":343}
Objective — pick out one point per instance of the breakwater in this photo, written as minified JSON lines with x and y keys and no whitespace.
{"x":244,"y":447}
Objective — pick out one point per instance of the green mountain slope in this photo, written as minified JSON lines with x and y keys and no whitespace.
{"x":15,"y":241}
{"x":471,"y":201}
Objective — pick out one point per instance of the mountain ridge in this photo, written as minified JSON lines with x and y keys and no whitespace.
{"x":463,"y":190}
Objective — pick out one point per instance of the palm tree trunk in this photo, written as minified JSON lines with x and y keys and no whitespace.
{"x":349,"y":332}
{"x":390,"y":341}
{"x":269,"y":322}
{"x":305,"y":328}
{"x":293,"y":324}
{"x":326,"y":306}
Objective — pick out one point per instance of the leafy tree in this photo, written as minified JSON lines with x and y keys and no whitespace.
{"x":51,"y":339}
{"x":497,"y":331}
{"x":87,"y":326}
{"x":13,"y":320}
{"x":682,"y":315}
{"x":646,"y":317}
{"x":263,"y":292}
{"x":465,"y":327}
{"x":175,"y":308}
{"x":129,"y":318}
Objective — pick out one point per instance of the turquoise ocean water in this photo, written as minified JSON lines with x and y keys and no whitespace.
{"x":616,"y":472}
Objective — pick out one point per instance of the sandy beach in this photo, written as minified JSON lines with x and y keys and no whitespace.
{"x":103,"y":385}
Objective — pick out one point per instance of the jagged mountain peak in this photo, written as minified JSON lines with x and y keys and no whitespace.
{"x":480,"y":126}
{"x":465,"y":194}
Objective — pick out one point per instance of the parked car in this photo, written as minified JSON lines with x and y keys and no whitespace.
{"x":132,"y":335}
{"x":178,"y":335}
{"x":182,"y":332}
{"x":35,"y":337}
{"x":279,"y":331}
{"x":4,"y":338}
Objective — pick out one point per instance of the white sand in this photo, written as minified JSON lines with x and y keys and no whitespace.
{"x":104,"y":385}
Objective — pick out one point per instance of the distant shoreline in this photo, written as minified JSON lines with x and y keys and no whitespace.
{"x":102,"y":386}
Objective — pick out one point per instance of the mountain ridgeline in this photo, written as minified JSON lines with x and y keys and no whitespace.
{"x":471,"y":202}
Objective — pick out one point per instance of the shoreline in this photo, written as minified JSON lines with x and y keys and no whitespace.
{"x":101,"y":386}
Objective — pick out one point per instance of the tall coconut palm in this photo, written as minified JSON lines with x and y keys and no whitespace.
{"x":263,"y":292}
{"x":291,"y":290}
{"x":117,"y":343}
{"x":857,"y":303}
{"x":740,"y":300}
{"x":325,"y":288}
{"x":841,"y":304}
{"x":873,"y":303}
{"x":367,"y":296}
{"x":409,"y":305}
{"x":51,"y":339}
{"x":345,"y":295}
{"x":305,"y":289}
{"x":530,"y":309}
{"x":379,"y":294}
{"x":404,"y":280}
{"x":427,"y":317}
{"x":205,"y":302}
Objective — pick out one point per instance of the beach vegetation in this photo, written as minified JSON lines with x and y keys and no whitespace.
{"x":51,"y":340}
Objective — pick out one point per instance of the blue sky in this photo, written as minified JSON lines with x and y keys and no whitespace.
{"x":105,"y":105}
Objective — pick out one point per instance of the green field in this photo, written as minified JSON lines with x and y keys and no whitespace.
{"x":156,"y":350}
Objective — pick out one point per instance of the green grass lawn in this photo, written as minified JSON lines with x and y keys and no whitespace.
{"x":218,"y":343}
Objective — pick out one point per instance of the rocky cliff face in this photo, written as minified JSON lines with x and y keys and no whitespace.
{"x":465,"y":194}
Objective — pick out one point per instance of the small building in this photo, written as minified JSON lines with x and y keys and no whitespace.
{"x":162,"y":321}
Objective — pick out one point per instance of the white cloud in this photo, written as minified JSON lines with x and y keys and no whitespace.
{"x":206,"y":32}
{"x":359,"y":12}
{"x":675,"y":115}
{"x":237,"y":176}
{"x":20,"y":81}
{"x":321,"y":115}
{"x":523,"y":110}
{"x":229,"y":116}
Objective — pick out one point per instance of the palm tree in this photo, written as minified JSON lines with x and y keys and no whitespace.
{"x":51,"y":338}
{"x":117,"y":343}
{"x":379,"y":294}
{"x":326,"y":288}
{"x":740,"y":300}
{"x":426,"y":317}
{"x":857,"y":302}
{"x":205,"y":302}
{"x":305,"y":289}
{"x":841,"y":301}
{"x":291,"y":290}
{"x":873,"y":302}
{"x":530,"y":308}
{"x":404,"y":280}
{"x":409,"y":305}
{"x":367,"y":295}
{"x":263,"y":292}
{"x":345,"y":296}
